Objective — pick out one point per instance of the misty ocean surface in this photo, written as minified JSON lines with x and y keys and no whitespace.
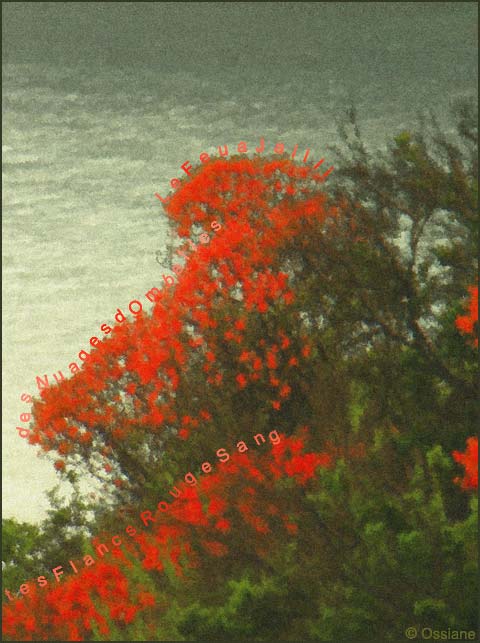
{"x":84,"y":151}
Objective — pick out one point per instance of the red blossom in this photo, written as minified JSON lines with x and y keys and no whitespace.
{"x":468,"y":324}
{"x":469,"y":460}
{"x":241,"y":380}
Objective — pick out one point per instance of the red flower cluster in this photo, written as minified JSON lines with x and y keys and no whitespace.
{"x":97,"y":598}
{"x":146,"y":358}
{"x":468,"y":324}
{"x":469,"y":460}
{"x":240,"y":495}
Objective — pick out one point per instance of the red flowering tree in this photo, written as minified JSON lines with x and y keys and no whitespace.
{"x":220,"y":352}
{"x":242,"y":504}
{"x":209,"y":336}
{"x":299,"y":318}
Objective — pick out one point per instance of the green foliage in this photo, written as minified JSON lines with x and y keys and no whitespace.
{"x":29,"y":551}
{"x":21,"y":551}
